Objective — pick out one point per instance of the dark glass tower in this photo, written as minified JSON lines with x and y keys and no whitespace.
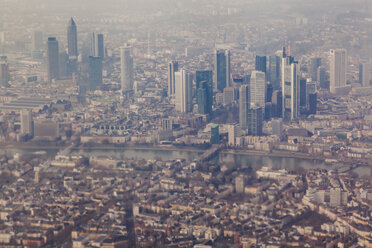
{"x":204,"y":92}
{"x":172,"y":68}
{"x":255,"y":120}
{"x":72,"y":38}
{"x":260,"y":63}
{"x":95,"y":72}
{"x":273,"y":75}
{"x":315,"y":63}
{"x":312,"y":103}
{"x":52,"y":59}
{"x":277,"y":104}
{"x":302,"y":92}
{"x":222,"y":70}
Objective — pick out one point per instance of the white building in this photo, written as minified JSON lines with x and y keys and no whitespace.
{"x":338,"y":68}
{"x":366,"y":74}
{"x":239,"y":184}
{"x":233,"y":132}
{"x":26,"y":122}
{"x":290,"y":89}
{"x":183,"y":85}
{"x":126,"y":68}
{"x":258,"y":89}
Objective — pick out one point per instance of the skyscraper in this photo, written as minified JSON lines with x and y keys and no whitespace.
{"x":183,"y":83}
{"x":255,"y":120}
{"x":97,"y":46}
{"x":312,"y":103}
{"x":37,"y":41}
{"x":53,"y":59}
{"x":274,"y":72}
{"x":260,"y":63}
{"x":222,"y":70}
{"x":321,"y":78}
{"x":4,"y":71}
{"x":244,"y":104}
{"x":72,"y":38}
{"x":315,"y":63}
{"x":338,"y":68}
{"x":365,"y":74}
{"x":277,"y":104}
{"x":63,"y":64}
{"x":95,"y":72}
{"x":126,"y":68}
{"x":258,"y":88}
{"x":204,"y":93}
{"x":290,"y":89}
{"x":172,"y":68}
{"x":303,"y":92}
{"x":26,"y":122}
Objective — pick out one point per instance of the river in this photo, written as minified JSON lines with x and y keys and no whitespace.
{"x":255,"y":161}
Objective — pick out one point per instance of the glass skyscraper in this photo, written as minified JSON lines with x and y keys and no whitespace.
{"x":204,"y":93}
{"x":222,"y":70}
{"x":52,"y":59}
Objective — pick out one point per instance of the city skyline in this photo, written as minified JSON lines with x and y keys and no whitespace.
{"x":194,"y":124}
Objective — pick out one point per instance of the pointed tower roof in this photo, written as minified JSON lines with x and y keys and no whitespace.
{"x":71,"y":22}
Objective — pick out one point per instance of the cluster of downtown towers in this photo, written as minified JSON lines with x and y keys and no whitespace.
{"x":276,"y":82}
{"x":59,"y":66}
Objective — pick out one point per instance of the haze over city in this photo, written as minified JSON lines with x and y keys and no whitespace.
{"x":185,"y":123}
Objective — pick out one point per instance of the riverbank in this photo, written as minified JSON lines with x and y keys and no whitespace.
{"x":101,"y":147}
{"x":275,"y":153}
{"x":282,"y":154}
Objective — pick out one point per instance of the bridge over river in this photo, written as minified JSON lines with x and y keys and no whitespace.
{"x":210,"y":153}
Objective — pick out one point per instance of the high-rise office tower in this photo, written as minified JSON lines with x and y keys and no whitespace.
{"x":4,"y":71}
{"x":97,"y":48}
{"x":290,"y":89}
{"x":151,"y":42}
{"x":53,"y":59}
{"x":95,"y":72}
{"x":269,"y":92}
{"x":338,"y":68}
{"x":72,"y":39}
{"x":37,"y":41}
{"x":204,"y":91}
{"x":260,"y":63}
{"x":258,"y":88}
{"x":183,"y":83}
{"x":222,"y":70}
{"x":26,"y":122}
{"x":63,"y":64}
{"x":303,"y":92}
{"x":322,"y":78}
{"x":229,"y":95}
{"x":277,"y":104}
{"x":312,"y":103}
{"x":315,"y":63}
{"x":244,"y":104}
{"x":37,"y":45}
{"x":274,"y":72}
{"x":172,"y":68}
{"x":126,"y":68}
{"x":255,"y":120}
{"x":365,"y":74}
